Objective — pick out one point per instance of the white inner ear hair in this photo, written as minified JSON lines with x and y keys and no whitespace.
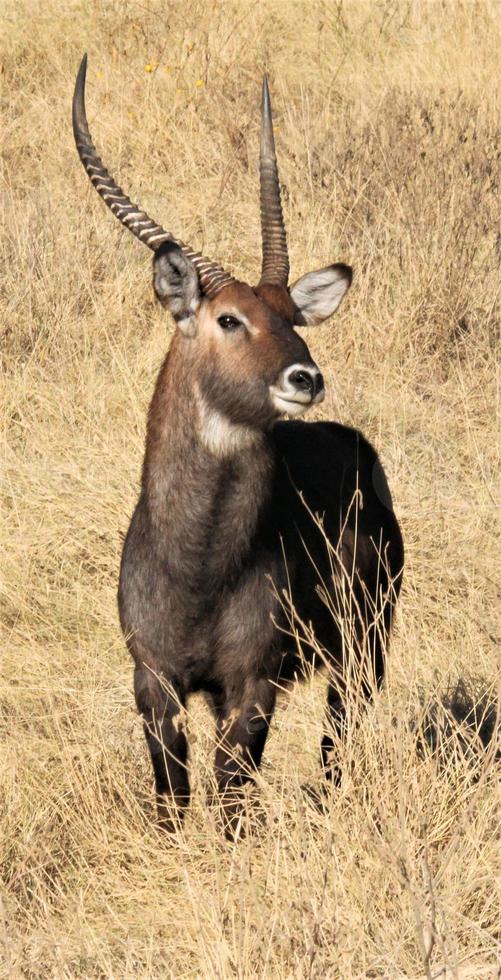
{"x":219,"y":434}
{"x":318,"y":294}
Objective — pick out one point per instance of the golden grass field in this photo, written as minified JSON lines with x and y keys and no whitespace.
{"x":388,"y":125}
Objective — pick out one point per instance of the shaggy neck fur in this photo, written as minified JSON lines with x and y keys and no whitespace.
{"x":205,"y":480}
{"x":221,"y":437}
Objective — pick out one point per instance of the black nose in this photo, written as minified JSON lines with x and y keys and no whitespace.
{"x":305,"y":380}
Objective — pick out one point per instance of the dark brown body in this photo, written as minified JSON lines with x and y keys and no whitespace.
{"x":256,"y":544}
{"x":211,"y":547}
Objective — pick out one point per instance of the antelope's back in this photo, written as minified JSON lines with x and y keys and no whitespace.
{"x":331,"y":486}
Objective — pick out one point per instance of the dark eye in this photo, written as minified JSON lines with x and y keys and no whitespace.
{"x":228,"y":322}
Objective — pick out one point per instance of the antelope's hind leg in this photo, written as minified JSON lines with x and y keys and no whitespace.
{"x":242,"y":727}
{"x":161,"y":703}
{"x":362,"y":677}
{"x":334,"y":735}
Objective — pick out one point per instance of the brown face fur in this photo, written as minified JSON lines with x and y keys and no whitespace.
{"x":240,"y":365}
{"x":238,"y":349}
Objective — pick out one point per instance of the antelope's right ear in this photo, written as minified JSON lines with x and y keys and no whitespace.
{"x":175,"y":282}
{"x":317,"y":295}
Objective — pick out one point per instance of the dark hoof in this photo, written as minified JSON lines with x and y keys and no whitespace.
{"x":239,"y":811}
{"x":317,"y":796}
{"x":170,"y":816}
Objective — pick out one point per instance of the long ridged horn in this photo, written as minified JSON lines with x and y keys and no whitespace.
{"x":212,"y":276}
{"x":275,"y":268}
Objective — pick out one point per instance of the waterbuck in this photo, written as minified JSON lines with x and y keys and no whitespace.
{"x":257,"y":545}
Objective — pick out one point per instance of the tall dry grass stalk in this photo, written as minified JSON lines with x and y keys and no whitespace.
{"x":388,"y":130}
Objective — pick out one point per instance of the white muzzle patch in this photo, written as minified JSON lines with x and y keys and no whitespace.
{"x":297,"y":390}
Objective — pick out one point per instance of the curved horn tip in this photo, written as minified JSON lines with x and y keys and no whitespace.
{"x":82,"y":71}
{"x":266,"y":101}
{"x":78,"y":104}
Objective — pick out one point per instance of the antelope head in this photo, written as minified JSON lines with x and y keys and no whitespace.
{"x":243,"y":358}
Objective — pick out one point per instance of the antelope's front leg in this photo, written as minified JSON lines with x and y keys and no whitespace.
{"x":243,"y":725}
{"x":161,"y":704}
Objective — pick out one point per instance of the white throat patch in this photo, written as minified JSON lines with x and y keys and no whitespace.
{"x":218,"y":434}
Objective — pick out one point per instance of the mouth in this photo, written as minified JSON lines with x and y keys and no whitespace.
{"x":297,"y":405}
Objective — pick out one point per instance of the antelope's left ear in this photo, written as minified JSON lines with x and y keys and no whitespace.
{"x":318,"y":294}
{"x":175,"y":282}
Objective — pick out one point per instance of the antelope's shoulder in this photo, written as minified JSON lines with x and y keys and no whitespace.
{"x":321,"y":442}
{"x":328,"y":462}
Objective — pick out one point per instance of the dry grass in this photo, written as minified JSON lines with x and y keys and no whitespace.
{"x":388,"y":126}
